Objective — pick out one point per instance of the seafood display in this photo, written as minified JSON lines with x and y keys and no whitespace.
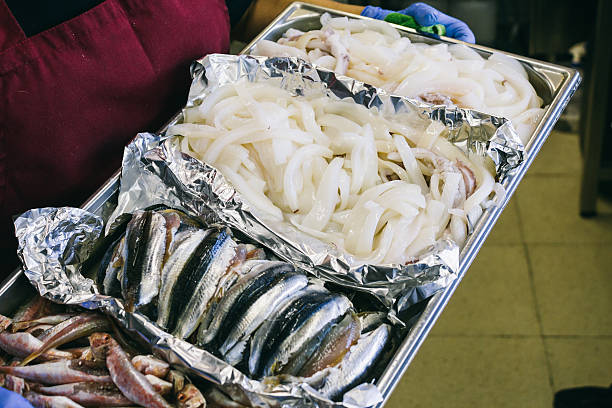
{"x":262,"y":316}
{"x":98,"y":373}
{"x":374,"y":52}
{"x":382,"y":190}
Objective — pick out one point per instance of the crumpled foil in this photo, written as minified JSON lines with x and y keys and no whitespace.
{"x":53,"y":242}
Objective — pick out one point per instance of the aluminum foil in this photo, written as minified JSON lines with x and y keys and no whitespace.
{"x":53,"y":242}
{"x":164,"y":174}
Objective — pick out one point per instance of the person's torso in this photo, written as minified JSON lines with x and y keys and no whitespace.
{"x":75,"y":94}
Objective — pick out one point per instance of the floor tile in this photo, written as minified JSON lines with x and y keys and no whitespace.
{"x":560,"y":154}
{"x":476,"y":372}
{"x":581,"y":361}
{"x":548,"y":209}
{"x":507,"y":230}
{"x":573,"y":286}
{"x":495,"y":296}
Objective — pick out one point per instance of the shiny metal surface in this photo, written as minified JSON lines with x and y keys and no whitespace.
{"x":553,"y":83}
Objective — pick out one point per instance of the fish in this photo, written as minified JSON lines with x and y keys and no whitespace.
{"x":23,"y":344}
{"x":177,"y":379}
{"x":258,"y":302}
{"x":257,"y":276}
{"x":88,"y":393}
{"x":260,"y":337}
{"x":111,"y":265}
{"x":39,"y":330}
{"x":4,"y":322}
{"x":341,"y":337}
{"x":71,"y":329}
{"x":182,"y":256}
{"x":130,"y":381}
{"x":303,"y":323}
{"x":196,"y":285}
{"x":35,"y":307}
{"x":160,"y":386}
{"x":60,"y":372}
{"x":53,"y":319}
{"x":217,"y":399}
{"x":145,"y":247}
{"x":190,"y":397}
{"x":371,"y":320}
{"x":47,"y":401}
{"x":356,"y":363}
{"x":151,"y":365}
{"x":302,"y":330}
{"x":15,"y":384}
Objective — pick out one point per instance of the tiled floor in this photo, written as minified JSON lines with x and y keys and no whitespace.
{"x":534,"y":313}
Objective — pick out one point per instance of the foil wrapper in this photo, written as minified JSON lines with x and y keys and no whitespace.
{"x":54,"y":242}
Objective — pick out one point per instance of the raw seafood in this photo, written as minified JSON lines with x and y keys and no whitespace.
{"x":373,"y":52}
{"x":382,"y":190}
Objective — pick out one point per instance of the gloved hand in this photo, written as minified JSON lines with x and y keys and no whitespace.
{"x":425,"y":15}
{"x":10,"y":399}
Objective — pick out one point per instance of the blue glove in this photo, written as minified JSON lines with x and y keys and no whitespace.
{"x":10,"y":399}
{"x":426,"y":15}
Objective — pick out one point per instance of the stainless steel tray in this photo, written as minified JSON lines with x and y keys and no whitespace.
{"x":553,"y":83}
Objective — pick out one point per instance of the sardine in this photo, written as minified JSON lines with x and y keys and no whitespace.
{"x":258,"y":302}
{"x":181,"y":257}
{"x":336,"y":344}
{"x":356,"y":363}
{"x":260,"y":337}
{"x":53,"y":319}
{"x":145,"y":247}
{"x":190,"y":397}
{"x":196,"y":286}
{"x":47,"y":401}
{"x":371,"y":320}
{"x":130,"y":381}
{"x":60,"y":372}
{"x":71,"y":329}
{"x":304,"y":324}
{"x":113,"y":262}
{"x":88,"y":393}
{"x":151,"y":365}
{"x":23,"y":344}
{"x":15,"y":384}
{"x":257,"y":276}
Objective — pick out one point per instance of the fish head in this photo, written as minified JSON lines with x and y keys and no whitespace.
{"x":100,"y":343}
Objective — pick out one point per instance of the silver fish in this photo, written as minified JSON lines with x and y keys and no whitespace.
{"x":145,"y":247}
{"x":259,"y":304}
{"x":337,"y":343}
{"x":110,"y":267}
{"x":356,"y":363}
{"x":261,"y":274}
{"x":183,"y":252}
{"x":196,"y":286}
{"x":260,"y":337}
{"x":371,"y":320}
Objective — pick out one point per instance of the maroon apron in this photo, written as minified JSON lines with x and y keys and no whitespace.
{"x":72,"y":96}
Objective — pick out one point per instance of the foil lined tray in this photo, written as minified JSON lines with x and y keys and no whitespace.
{"x":553,"y":83}
{"x":559,"y":88}
{"x":54,"y":242}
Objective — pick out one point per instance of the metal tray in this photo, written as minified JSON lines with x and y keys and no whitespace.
{"x":553,"y":83}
